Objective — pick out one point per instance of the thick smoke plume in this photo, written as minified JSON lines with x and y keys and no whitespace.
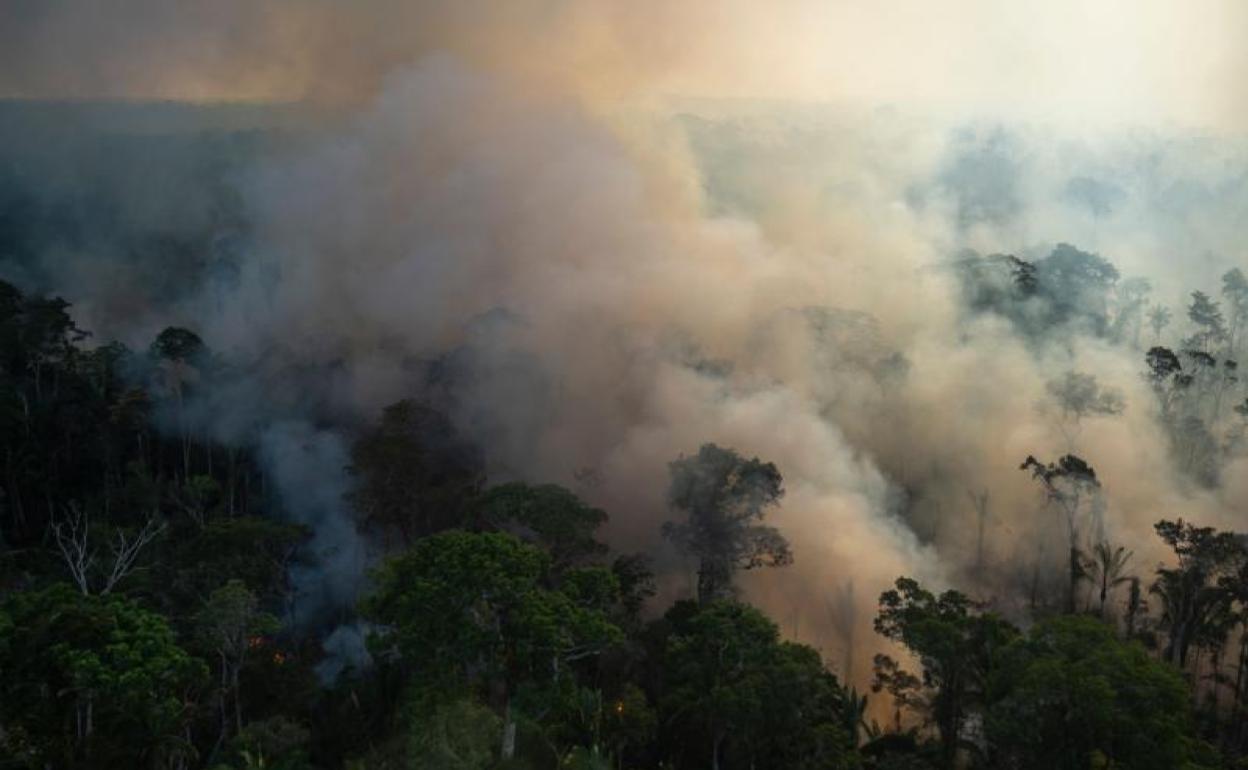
{"x":616,"y":250}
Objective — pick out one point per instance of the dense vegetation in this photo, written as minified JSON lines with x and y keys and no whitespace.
{"x":148,"y":612}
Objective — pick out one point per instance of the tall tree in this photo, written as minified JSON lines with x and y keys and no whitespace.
{"x":414,"y":474}
{"x":1076,"y":287}
{"x":954,"y":642}
{"x":467,"y":610}
{"x":1191,"y":593}
{"x":1158,"y":319}
{"x":229,"y":625}
{"x":1131,"y":295}
{"x":724,"y":496}
{"x":1210,"y":326}
{"x":1235,"y":293}
{"x":180,"y":356}
{"x":1072,"y":486}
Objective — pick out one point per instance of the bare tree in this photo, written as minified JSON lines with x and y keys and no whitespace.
{"x":73,"y":540}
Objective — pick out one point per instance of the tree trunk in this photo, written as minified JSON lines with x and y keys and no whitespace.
{"x":1238,"y":703}
{"x":509,"y":732}
{"x":714,"y":578}
{"x":238,"y":698}
{"x":1073,"y":591}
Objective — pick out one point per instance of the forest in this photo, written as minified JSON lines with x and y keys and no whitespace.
{"x":623,"y":385}
{"x":149,"y":614}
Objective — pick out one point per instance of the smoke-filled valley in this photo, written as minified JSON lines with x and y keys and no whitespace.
{"x":461,"y":387}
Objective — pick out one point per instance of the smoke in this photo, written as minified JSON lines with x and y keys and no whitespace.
{"x":308,"y":469}
{"x":610,"y":276}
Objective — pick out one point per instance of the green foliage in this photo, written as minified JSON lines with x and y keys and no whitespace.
{"x":459,"y":734}
{"x":462,"y":606}
{"x":549,"y":516}
{"x":744,"y":695}
{"x":277,"y":743}
{"x":954,"y":643}
{"x":1070,"y":691}
{"x":92,"y":681}
{"x":256,"y":551}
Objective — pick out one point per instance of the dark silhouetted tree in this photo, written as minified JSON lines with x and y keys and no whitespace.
{"x":724,"y":497}
{"x":1191,"y":593}
{"x":1072,"y":486}
{"x":414,"y":474}
{"x":1106,"y":568}
{"x":954,"y":642}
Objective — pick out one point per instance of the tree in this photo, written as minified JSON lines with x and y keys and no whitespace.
{"x":1078,"y":396}
{"x":460,"y":734}
{"x":753,"y":700}
{"x":1131,"y":294}
{"x":229,"y":624}
{"x":1070,"y":696}
{"x":73,"y":538}
{"x":1106,"y":569}
{"x":1191,"y":593}
{"x":180,"y":355}
{"x":954,"y":642}
{"x":414,"y":474}
{"x":1166,"y":375}
{"x":724,"y":497}
{"x":1158,"y":319}
{"x":276,"y":743}
{"x":905,"y":689}
{"x":1235,"y":293}
{"x":1076,"y":285}
{"x":549,"y":516}
{"x":1206,"y":315}
{"x":1069,"y":483}
{"x":92,"y":681}
{"x":259,"y":552}
{"x":467,"y":610}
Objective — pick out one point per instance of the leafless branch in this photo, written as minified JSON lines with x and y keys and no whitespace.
{"x":126,"y":550}
{"x":72,"y":536}
{"x":71,"y":541}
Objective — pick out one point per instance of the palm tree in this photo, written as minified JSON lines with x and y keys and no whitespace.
{"x":855,"y":714}
{"x":1106,"y":568}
